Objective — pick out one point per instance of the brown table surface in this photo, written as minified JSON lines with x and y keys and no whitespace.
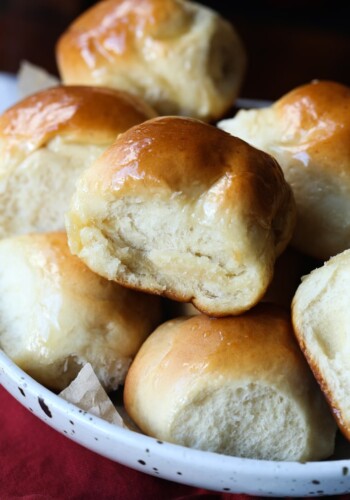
{"x":288,"y":43}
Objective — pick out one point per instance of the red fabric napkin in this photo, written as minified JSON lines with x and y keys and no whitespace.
{"x":39,"y":463}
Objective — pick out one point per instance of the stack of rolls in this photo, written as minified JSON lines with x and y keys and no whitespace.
{"x":178,"y":208}
{"x":109,"y":211}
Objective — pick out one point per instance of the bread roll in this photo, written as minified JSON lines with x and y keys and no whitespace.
{"x":321,"y":318}
{"x":308,"y":132}
{"x":238,"y":386}
{"x":179,"y":208}
{"x":180,"y":56}
{"x":56,"y":315}
{"x":46,"y":141}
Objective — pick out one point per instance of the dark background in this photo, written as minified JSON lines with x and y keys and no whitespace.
{"x":288,"y":42}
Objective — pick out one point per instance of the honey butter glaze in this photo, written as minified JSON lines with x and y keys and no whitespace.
{"x":79,"y":113}
{"x":186,"y":156}
{"x":114,"y":27}
{"x":56,"y":315}
{"x":308,"y":132}
{"x":315,"y":124}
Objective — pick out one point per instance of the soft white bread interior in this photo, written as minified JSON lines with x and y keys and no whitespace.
{"x":308,"y":132}
{"x":181,"y":57}
{"x":56,"y":314}
{"x":289,"y":268}
{"x":237,"y":386}
{"x":46,"y":141}
{"x":321,"y":319}
{"x":179,"y":208}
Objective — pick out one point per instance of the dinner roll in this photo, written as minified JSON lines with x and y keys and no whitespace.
{"x":56,"y":315}
{"x":308,"y":132}
{"x":181,"y":57}
{"x":46,"y":141}
{"x":237,"y":386}
{"x":321,"y":318}
{"x":179,"y":208}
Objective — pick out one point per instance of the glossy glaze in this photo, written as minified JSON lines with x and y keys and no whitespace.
{"x":84,"y":114}
{"x":181,"y":57}
{"x":315,"y":121}
{"x":112,"y":29}
{"x":184,"y":155}
{"x":59,"y":315}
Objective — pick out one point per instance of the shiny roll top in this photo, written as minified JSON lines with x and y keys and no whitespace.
{"x":56,"y":315}
{"x":315,"y":121}
{"x":92,"y":115}
{"x":180,"y":56}
{"x":185,"y":156}
{"x":308,"y":132}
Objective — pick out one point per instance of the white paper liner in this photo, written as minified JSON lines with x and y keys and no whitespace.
{"x":32,"y":79}
{"x":86,"y":392}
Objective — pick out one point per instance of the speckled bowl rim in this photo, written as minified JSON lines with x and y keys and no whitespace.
{"x":173,"y":462}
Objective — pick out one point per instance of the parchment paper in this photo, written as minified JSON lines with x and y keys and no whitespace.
{"x":87,"y":393}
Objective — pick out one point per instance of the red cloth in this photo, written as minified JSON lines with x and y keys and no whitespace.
{"x":38,"y":463}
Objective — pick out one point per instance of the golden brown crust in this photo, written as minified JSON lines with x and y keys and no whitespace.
{"x":50,"y":254}
{"x":318,"y":114}
{"x":80,"y":113}
{"x":220,"y":342}
{"x":112,"y":25}
{"x":180,"y":56}
{"x":191,"y":155}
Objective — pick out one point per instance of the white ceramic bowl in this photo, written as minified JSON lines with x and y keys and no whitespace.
{"x":168,"y":461}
